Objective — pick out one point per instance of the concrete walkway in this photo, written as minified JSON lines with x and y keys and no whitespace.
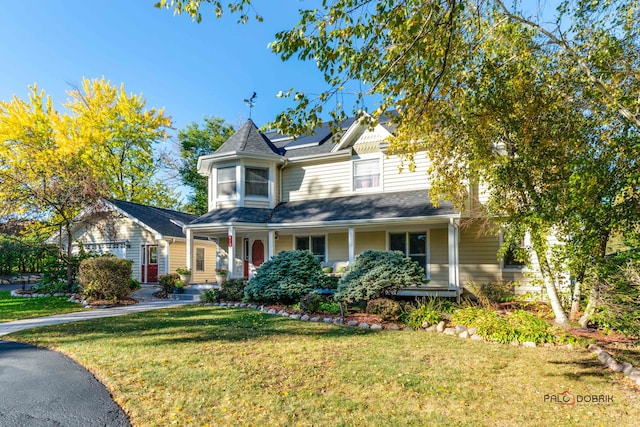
{"x":144,"y":295}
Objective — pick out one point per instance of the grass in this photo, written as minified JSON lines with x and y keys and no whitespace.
{"x":17,"y":308}
{"x":217,"y":366}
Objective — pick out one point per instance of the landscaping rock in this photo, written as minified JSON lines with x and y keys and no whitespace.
{"x":406,"y":328}
{"x":376,"y":326}
{"x":393,"y":327}
{"x":4,"y":282}
{"x":476,"y":337}
{"x":635,"y":375}
{"x":594,"y":348}
{"x":464,"y":334}
{"x":440,"y":327}
{"x":352,"y":323}
{"x":529,"y":344}
{"x":425,"y":325}
{"x":327,"y":320}
{"x":304,"y":317}
{"x":363,"y":325}
{"x":272,"y":311}
{"x":604,"y":357}
{"x":614,"y":365}
{"x":450,"y":331}
{"x":314,"y":319}
{"x":432,"y":328}
{"x":294,"y":316}
{"x":627,"y":368}
{"x":284,"y":314}
{"x":472,"y":331}
{"x":514,"y":343}
{"x":460,"y":328}
{"x":337,"y":321}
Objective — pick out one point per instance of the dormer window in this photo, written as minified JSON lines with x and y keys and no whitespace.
{"x":226,"y":182}
{"x":256,"y":182}
{"x":366,"y":174}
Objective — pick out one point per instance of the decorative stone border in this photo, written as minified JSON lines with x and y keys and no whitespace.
{"x":607,"y":360}
{"x":15,"y":293}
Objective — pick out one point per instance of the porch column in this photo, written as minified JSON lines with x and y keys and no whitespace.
{"x":271,"y":246}
{"x":352,"y":244}
{"x":190,"y":251}
{"x":453,"y":256}
{"x":231,"y":235}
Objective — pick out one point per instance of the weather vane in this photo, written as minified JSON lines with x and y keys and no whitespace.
{"x":251,"y":102}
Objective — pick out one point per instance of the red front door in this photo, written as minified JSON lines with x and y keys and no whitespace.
{"x":257,"y":253}
{"x":149,"y":264}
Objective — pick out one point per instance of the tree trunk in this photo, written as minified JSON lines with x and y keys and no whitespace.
{"x":550,"y":286}
{"x":69,"y":257}
{"x":575,"y":301}
{"x":591,"y":308}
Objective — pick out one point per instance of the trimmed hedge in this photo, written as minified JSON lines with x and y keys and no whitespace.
{"x":105,"y":278}
{"x":286,"y":277}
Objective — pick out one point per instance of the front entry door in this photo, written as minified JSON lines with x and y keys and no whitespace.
{"x":257,"y":253}
{"x":149,"y":264}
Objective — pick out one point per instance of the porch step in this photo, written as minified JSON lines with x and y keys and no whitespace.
{"x":194,"y":292}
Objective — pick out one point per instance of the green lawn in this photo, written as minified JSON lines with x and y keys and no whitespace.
{"x":214,"y":366}
{"x":16,"y":308}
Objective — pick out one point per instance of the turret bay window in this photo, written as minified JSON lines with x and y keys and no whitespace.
{"x":226,"y":178}
{"x":257,"y":182}
{"x":314,"y":244}
{"x":412,"y":245}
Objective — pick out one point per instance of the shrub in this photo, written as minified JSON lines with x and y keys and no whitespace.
{"x":286,"y":277}
{"x":134,"y":284}
{"x":428,"y":310}
{"x":386,"y":308}
{"x":490,"y":293}
{"x":518,"y":326}
{"x":330,"y":307}
{"x":210,"y":296}
{"x":167,"y":282}
{"x":529,"y":327}
{"x":105,"y":278}
{"x":310,"y":303}
{"x":375,"y":274}
{"x":233,"y":290}
{"x":617,"y":285}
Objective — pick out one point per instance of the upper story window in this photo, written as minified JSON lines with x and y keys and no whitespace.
{"x":256,"y":182}
{"x":366,"y":174}
{"x":226,"y":181}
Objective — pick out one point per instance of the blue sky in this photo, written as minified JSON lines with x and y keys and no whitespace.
{"x":190,"y":69}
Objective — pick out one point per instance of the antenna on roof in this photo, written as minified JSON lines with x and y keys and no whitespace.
{"x":251,"y":102}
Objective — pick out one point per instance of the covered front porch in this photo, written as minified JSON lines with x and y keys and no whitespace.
{"x":432,"y":242}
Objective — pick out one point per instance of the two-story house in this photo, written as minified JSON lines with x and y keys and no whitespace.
{"x":336,"y":196}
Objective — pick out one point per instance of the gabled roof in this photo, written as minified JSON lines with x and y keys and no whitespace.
{"x":165,"y":222}
{"x":248,"y":139}
{"x":235,"y":215}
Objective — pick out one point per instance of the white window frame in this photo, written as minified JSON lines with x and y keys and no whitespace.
{"x":526,"y":244}
{"x":204,"y":259}
{"x":407,"y":244}
{"x":217,"y":182}
{"x":253,"y":196}
{"x":362,"y":159}
{"x":309,"y":236}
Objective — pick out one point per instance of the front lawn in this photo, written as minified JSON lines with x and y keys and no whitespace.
{"x":202,"y":365}
{"x":17,"y":308}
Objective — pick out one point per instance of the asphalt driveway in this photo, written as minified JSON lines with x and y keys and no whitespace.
{"x":40,"y":387}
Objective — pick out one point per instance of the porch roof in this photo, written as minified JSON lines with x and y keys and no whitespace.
{"x":363,"y":207}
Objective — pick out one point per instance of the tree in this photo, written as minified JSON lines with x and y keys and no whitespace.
{"x":122,"y":134}
{"x":494,"y":94}
{"x":53,"y":164}
{"x":196,"y":141}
